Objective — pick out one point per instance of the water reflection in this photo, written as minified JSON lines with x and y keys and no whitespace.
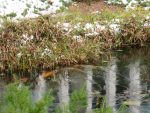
{"x":70,"y":80}
{"x":135,"y":86}
{"x":121,"y":80}
{"x":89,"y":72}
{"x":40,"y":89}
{"x":110,"y":81}
{"x":63,"y":93}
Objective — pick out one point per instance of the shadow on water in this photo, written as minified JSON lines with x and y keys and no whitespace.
{"x":124,"y":79}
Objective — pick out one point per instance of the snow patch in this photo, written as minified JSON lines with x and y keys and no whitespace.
{"x":18,"y":9}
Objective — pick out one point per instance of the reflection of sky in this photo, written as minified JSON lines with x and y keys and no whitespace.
{"x":110,"y":82}
{"x":135,"y":86}
{"x":71,"y":80}
{"x":64,"y":89}
{"x":89,"y":72}
{"x":40,"y":89}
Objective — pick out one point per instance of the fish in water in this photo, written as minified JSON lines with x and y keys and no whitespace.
{"x":47,"y":74}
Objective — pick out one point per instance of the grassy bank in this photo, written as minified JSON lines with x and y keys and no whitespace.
{"x":70,"y":37}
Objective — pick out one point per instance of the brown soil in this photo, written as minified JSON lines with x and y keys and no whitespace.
{"x":95,"y":6}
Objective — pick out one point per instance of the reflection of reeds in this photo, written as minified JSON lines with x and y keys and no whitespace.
{"x":18,"y":98}
{"x":130,"y":54}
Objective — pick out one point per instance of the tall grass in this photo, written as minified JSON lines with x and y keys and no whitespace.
{"x":43,"y":43}
{"x":17,"y":99}
{"x":77,"y":104}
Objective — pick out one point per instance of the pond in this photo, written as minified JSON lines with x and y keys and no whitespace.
{"x":124,"y":79}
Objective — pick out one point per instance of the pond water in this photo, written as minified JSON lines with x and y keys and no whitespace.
{"x":125,"y":78}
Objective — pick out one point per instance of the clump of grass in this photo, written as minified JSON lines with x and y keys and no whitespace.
{"x":17,"y":99}
{"x":78,"y":101}
{"x":107,"y":109}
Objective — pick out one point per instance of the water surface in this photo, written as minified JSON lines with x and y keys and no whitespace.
{"x":123,"y":79}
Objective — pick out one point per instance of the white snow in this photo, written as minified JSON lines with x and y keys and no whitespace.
{"x":26,"y":38}
{"x":19,"y":55}
{"x":147,"y":17}
{"x":66,"y":26}
{"x":88,"y":26}
{"x":46,"y":52}
{"x":77,"y":26}
{"x":146,"y":24}
{"x":124,"y":2}
{"x":78,"y":38}
{"x":115,"y":28}
{"x":99,"y":27}
{"x":147,"y":8}
{"x":28,"y":8}
{"x":130,"y":4}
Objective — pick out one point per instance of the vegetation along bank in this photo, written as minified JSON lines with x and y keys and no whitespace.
{"x":70,"y":37}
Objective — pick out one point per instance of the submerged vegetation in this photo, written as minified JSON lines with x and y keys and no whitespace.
{"x":18,"y":99}
{"x":69,"y":38}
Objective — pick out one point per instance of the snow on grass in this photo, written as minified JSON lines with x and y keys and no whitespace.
{"x":28,"y":8}
{"x":131,"y":4}
{"x":46,"y":52}
{"x":18,"y":9}
{"x":79,"y":38}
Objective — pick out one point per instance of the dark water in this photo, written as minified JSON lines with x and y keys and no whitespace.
{"x":123,"y":79}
